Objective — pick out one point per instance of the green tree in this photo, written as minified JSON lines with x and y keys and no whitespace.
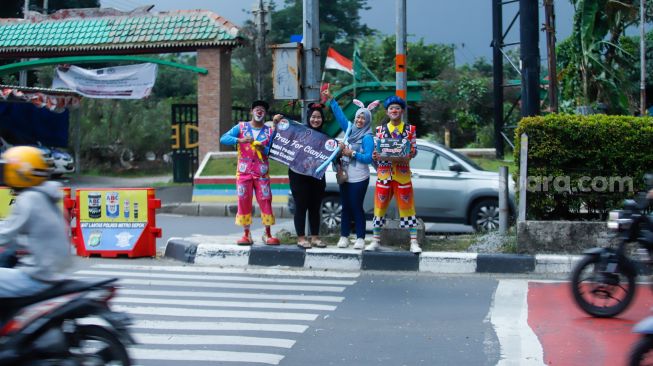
{"x":461,"y":102}
{"x":594,"y":61}
{"x":340,"y":24}
{"x":175,"y":83}
{"x":425,"y":61}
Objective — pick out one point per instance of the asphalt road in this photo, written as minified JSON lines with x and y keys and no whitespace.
{"x":200,"y":316}
{"x":295,"y":318}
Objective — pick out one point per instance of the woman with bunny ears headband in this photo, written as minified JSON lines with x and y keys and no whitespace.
{"x":356,"y":158}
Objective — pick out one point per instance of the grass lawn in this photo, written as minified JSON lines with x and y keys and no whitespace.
{"x":227,"y":166}
{"x":494,"y":164}
{"x":435,"y":243}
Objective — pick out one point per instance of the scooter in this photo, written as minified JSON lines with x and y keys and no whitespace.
{"x":69,"y":324}
{"x":641,"y":353}
{"x":603,"y":283}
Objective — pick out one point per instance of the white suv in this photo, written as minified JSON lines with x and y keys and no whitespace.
{"x":448,"y":186}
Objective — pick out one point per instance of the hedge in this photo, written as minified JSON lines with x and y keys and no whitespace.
{"x":582,"y":153}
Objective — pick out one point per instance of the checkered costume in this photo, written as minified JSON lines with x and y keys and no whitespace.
{"x":393,"y":179}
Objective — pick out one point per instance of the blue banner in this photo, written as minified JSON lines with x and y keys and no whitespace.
{"x":301,"y":148}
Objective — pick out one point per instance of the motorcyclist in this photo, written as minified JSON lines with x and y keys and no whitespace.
{"x":37,"y":219}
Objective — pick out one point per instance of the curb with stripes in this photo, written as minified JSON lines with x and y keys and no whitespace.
{"x":210,"y":252}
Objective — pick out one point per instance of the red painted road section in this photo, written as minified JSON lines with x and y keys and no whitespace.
{"x":569,"y":337}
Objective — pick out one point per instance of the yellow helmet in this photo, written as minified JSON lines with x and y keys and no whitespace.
{"x":24,"y":166}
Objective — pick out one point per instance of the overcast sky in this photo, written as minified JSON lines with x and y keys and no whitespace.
{"x":465,"y":23}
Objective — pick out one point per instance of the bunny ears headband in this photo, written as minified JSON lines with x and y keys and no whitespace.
{"x":369,"y":107}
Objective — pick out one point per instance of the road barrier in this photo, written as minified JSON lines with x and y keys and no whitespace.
{"x":112,"y":222}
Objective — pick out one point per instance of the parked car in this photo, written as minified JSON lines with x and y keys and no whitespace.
{"x":448,"y":186}
{"x":60,"y":161}
{"x":63,"y":162}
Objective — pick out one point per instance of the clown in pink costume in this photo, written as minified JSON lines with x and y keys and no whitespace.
{"x":253,"y":140}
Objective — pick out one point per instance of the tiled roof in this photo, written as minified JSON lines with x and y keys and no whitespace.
{"x":198,"y":28}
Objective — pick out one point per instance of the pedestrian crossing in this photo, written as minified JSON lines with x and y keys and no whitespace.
{"x":205,"y":316}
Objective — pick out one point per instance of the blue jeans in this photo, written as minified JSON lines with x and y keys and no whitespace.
{"x":15,"y":283}
{"x":352,"y":196}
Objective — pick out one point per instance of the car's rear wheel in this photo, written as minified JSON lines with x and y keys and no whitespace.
{"x":484,"y":216}
{"x":330,"y":213}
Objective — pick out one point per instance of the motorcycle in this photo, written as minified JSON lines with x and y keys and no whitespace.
{"x":68,"y":324}
{"x":604,"y":280}
{"x":641,"y":353}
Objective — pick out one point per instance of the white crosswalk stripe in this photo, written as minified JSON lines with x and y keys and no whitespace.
{"x":219,"y":315}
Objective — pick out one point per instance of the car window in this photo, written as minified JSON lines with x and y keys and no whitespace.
{"x":442,"y":162}
{"x":425,"y":159}
{"x":465,"y":159}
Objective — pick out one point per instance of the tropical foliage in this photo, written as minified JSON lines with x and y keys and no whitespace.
{"x":596,"y":61}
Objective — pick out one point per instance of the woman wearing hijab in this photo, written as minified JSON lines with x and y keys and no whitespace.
{"x":308,"y":191}
{"x":356,"y":157}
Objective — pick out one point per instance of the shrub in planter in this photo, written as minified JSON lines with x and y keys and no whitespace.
{"x":580,"y":167}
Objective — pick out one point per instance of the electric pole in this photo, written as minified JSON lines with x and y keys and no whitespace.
{"x":549,"y":26}
{"x":311,"y":49}
{"x":400,"y":60}
{"x":22,"y":76}
{"x":530,"y":58}
{"x":642,"y":60}
{"x":260,"y":13}
{"x":497,"y":72}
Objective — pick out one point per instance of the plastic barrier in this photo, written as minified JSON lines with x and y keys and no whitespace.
{"x":8,"y":197}
{"x":112,"y":222}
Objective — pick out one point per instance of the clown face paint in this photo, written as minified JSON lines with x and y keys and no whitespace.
{"x":258,"y":113}
{"x":394,"y":112}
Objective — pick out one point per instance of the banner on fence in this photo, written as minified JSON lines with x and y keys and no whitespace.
{"x":119,"y":82}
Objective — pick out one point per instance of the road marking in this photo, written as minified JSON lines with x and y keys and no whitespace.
{"x":288,"y":301}
{"x":203,"y":313}
{"x":238,"y":295}
{"x":183,"y":355}
{"x":216,"y":326}
{"x":190,"y":339}
{"x":254,"y":271}
{"x":206,"y":277}
{"x":519,"y":344}
{"x":235,"y":304}
{"x":129,"y":281}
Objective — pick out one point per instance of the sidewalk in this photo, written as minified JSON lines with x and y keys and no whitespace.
{"x":220,"y":250}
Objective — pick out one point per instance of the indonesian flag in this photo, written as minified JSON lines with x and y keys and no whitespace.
{"x":334,"y":60}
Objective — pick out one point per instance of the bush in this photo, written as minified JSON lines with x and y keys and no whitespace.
{"x":579,"y":154}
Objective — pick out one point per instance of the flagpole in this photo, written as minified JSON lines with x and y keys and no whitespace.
{"x":353,"y":70}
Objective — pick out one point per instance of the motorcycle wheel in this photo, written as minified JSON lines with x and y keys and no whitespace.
{"x":642,"y":352}
{"x":600,"y":293}
{"x":98,"y":346}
